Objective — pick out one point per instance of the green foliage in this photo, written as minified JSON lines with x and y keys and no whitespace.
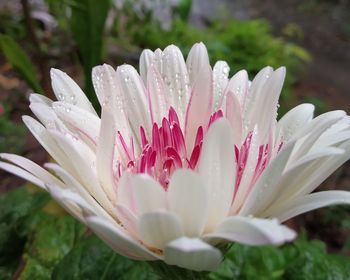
{"x":92,"y":259}
{"x":17,"y":57}
{"x":87,"y":25}
{"x":302,"y":260}
{"x":12,"y":134}
{"x":18,"y":212}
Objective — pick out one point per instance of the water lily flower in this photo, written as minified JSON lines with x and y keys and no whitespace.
{"x":183,"y":158}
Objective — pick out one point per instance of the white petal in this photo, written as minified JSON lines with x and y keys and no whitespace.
{"x":157,"y":229}
{"x":80,"y":122}
{"x":118,"y":240}
{"x":234,"y":116}
{"x":109,"y":94}
{"x":238,"y":85}
{"x":106,"y":153}
{"x":248,"y":173}
{"x":188,"y":198}
{"x":15,"y":170}
{"x":217,"y":167}
{"x":196,"y":59}
{"x":135,"y":99}
{"x":220,"y":79}
{"x":300,"y":205}
{"x":158,"y":94}
{"x":38,"y":98}
{"x":294,"y":120}
{"x":176,"y":78}
{"x":251,"y":231}
{"x":193,"y":254}
{"x":68,"y":91}
{"x":47,"y":142}
{"x":32,"y":167}
{"x":83,"y":161}
{"x":261,"y":194}
{"x":140,"y":193}
{"x":73,"y":184}
{"x":262,"y":109}
{"x":146,"y":59}
{"x":199,"y":106}
{"x":313,"y":131}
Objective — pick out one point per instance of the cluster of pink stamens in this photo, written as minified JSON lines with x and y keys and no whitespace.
{"x":166,"y":151}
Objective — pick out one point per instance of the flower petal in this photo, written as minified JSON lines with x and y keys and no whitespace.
{"x":300,"y":205}
{"x":221,"y":71}
{"x":193,"y":254}
{"x":199,"y":106}
{"x":217,"y":166}
{"x":188,"y":198}
{"x":68,"y":91}
{"x":106,"y":152}
{"x":146,"y":59}
{"x":260,"y":195}
{"x":251,"y":231}
{"x":109,"y":94}
{"x":157,"y":229}
{"x":118,"y":240}
{"x":140,"y":193}
{"x":196,"y":59}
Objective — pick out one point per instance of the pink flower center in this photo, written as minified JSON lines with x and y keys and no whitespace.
{"x":166,"y":149}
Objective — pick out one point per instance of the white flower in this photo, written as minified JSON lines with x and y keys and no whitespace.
{"x":183,"y":158}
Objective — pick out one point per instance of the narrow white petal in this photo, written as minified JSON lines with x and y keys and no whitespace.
{"x":221,"y":71}
{"x":109,"y":94}
{"x":38,"y":98}
{"x":261,"y":194}
{"x":294,"y":120}
{"x":118,"y":240}
{"x":157,"y":229}
{"x":68,"y":91}
{"x":199,"y":106}
{"x":238,"y":86}
{"x":146,"y":59}
{"x":188,"y":198}
{"x":15,"y":170}
{"x":196,"y":59}
{"x":217,"y":166}
{"x":248,"y":173}
{"x":47,"y":142}
{"x":106,"y":152}
{"x":175,"y":75}
{"x":158,"y":94}
{"x":300,"y":205}
{"x":80,"y":122}
{"x":234,"y":116}
{"x":193,"y":254}
{"x":72,"y":183}
{"x":135,"y":99}
{"x":251,"y":231}
{"x":31,"y":167}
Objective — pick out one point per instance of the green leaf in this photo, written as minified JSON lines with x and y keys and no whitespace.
{"x":17,"y":57}
{"x":87,"y":25}
{"x":18,"y":212}
{"x":92,"y":259}
{"x":48,"y":243}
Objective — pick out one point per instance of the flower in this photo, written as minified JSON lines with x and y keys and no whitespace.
{"x":183,"y":158}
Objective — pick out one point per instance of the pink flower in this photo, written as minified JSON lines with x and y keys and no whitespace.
{"x":183,"y":158}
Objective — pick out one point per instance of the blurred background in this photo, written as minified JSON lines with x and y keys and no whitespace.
{"x":311,"y":38}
